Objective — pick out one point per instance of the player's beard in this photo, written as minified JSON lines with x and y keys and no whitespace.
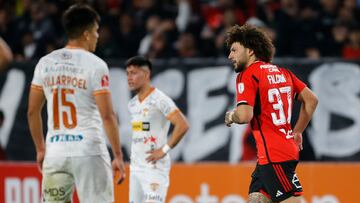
{"x":239,"y":66}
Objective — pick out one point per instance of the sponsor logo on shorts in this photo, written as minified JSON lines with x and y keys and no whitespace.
{"x":66,"y":138}
{"x":54,"y":194}
{"x":279,"y":193}
{"x":153,"y":197}
{"x":154,"y":186}
{"x":295,"y":181}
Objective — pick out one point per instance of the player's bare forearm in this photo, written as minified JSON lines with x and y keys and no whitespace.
{"x":35,"y":125}
{"x":308,"y":106}
{"x":103,"y":101}
{"x":241,"y":114}
{"x":36,"y":102}
{"x":181,"y":126}
{"x":112,"y":132}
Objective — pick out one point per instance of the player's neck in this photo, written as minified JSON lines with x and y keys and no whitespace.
{"x":145,"y":91}
{"x":251,"y":61}
{"x":77,"y":44}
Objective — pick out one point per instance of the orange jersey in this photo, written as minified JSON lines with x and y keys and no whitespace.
{"x":270,"y":90}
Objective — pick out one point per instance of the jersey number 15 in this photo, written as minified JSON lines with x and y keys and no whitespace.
{"x":63,"y":103}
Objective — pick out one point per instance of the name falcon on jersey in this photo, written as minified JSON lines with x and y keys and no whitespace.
{"x":276,"y":79}
{"x":66,"y":81}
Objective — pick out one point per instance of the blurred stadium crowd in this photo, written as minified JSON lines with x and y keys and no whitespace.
{"x":187,"y":28}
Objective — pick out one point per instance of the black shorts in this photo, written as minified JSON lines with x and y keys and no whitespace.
{"x":277,"y":181}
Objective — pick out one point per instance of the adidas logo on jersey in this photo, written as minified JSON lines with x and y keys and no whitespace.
{"x":278,"y":193}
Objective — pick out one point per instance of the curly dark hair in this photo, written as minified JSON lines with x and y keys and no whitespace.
{"x":252,"y":38}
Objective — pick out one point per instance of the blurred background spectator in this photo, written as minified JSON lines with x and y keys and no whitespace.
{"x":2,"y":151}
{"x":5,"y":54}
{"x":187,"y":28}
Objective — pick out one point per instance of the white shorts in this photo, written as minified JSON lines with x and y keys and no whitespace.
{"x":148,"y":186}
{"x":92,"y":176}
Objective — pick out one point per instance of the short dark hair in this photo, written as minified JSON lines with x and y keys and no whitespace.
{"x":79,"y":18}
{"x":138,"y":61}
{"x":252,"y":38}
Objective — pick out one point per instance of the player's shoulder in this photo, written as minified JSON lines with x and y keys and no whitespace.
{"x":158,"y":94}
{"x":253,"y":71}
{"x":286,"y":71}
{"x":94,"y":60}
{"x":50,"y":57}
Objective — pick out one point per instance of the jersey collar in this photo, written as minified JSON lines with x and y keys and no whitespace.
{"x":146,"y":95}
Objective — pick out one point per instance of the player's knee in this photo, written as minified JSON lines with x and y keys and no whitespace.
{"x":257,"y":197}
{"x":292,"y":199}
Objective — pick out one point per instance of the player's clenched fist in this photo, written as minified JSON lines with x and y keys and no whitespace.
{"x":228,"y":118}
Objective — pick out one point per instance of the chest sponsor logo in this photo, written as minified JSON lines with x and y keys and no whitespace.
{"x":151,"y":140}
{"x":140,"y":126}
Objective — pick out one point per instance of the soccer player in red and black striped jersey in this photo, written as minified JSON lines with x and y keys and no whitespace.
{"x":265,"y":95}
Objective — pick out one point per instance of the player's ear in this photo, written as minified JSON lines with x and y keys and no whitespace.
{"x":86,"y":34}
{"x":250,"y":51}
{"x":148,"y":73}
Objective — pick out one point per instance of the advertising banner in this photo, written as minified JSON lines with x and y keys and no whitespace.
{"x":202,"y":183}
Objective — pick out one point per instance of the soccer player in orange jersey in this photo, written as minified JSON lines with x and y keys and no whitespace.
{"x":265,"y":95}
{"x":75,"y":84}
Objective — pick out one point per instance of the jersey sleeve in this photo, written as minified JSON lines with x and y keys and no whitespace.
{"x":167,"y":106}
{"x":298,"y":84}
{"x":37,"y":81}
{"x":100,"y":79}
{"x":246,"y":88}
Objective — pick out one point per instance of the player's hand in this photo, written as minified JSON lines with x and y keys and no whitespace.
{"x":298,"y":140}
{"x":155,"y":155}
{"x":118,"y":165}
{"x":228,"y":119}
{"x":40,"y":155}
